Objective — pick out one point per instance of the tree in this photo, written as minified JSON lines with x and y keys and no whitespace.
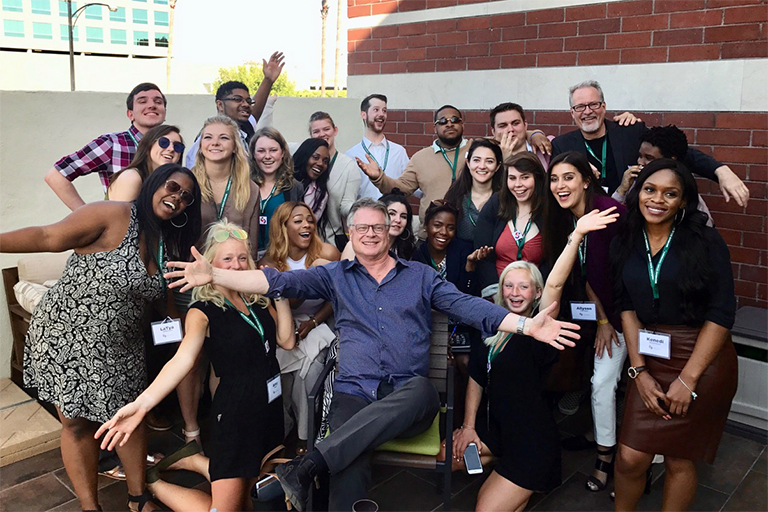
{"x":251,"y":75}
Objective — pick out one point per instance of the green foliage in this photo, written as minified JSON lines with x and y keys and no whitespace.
{"x":251,"y":75}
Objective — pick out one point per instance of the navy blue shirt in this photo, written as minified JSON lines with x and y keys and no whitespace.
{"x":384,"y":328}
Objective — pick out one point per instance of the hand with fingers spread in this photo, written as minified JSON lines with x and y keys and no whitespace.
{"x":550,"y":331}
{"x":477,"y":255}
{"x":274,"y":67}
{"x":651,"y":392}
{"x":626,"y":119}
{"x":192,"y":274}
{"x":120,"y":427}
{"x":507,"y":144}
{"x":596,"y":220}
{"x":371,"y":169}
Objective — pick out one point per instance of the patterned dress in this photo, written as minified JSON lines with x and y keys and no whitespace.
{"x":84,"y":350}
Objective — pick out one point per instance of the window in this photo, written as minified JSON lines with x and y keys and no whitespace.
{"x":118,"y":15}
{"x":12,"y":6}
{"x":94,"y":35}
{"x":140,"y":16}
{"x":63,"y":8}
{"x":161,"y":18}
{"x":140,"y":1}
{"x":93,"y":12}
{"x":13,"y":28}
{"x":65,"y":33}
{"x":140,"y":38}
{"x":118,"y":36}
{"x":161,"y":40}
{"x":41,"y":6}
{"x":161,"y":2}
{"x":42,"y":31}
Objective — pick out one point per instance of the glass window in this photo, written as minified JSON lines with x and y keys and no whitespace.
{"x":161,"y":18}
{"x":118,"y":36}
{"x":94,"y":34}
{"x":140,"y":1}
{"x":161,"y":2}
{"x":12,"y":6}
{"x":140,"y":38}
{"x":161,"y":40}
{"x":140,"y":16}
{"x":13,"y":28}
{"x":42,"y":31}
{"x":93,"y":12}
{"x":65,"y":33}
{"x":118,"y":15}
{"x":63,"y":8}
{"x":41,"y":6}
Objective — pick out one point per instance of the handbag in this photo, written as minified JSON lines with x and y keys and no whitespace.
{"x":267,"y":488}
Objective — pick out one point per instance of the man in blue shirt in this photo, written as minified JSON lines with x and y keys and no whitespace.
{"x":382,"y":307}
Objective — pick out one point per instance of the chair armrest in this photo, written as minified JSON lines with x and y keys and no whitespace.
{"x":449,"y":411}
{"x":314,"y":393}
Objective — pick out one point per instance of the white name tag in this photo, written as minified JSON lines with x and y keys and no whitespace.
{"x":262,"y":220}
{"x":584,"y":311}
{"x":274,"y":388}
{"x":657,"y":344}
{"x":167,"y":331}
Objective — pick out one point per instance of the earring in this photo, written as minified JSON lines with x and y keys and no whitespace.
{"x":678,"y":221}
{"x":186,"y":218}
{"x":406,"y":237}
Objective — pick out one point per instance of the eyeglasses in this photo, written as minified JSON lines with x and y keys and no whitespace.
{"x":363,"y":228}
{"x":237,"y":234}
{"x":164,"y":142}
{"x":238,"y":99}
{"x":185,"y":196}
{"x":583,"y":106}
{"x":445,"y":120}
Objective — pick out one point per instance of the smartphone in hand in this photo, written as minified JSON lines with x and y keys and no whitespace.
{"x":472,"y":460}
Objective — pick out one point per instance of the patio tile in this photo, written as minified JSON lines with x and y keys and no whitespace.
{"x":735,"y":457}
{"x":406,"y":492}
{"x":381,"y":473}
{"x":61,"y":474}
{"x":761,"y":464}
{"x":466,"y":499}
{"x":751,"y":494}
{"x":30,"y":468}
{"x":573,"y":496}
{"x":706,"y":499}
{"x":40,"y":493}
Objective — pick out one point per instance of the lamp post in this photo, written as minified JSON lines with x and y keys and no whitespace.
{"x":71,"y":20}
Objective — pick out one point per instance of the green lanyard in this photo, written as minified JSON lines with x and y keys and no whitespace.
{"x":653,"y":273}
{"x":467,"y":210}
{"x":496,"y":350}
{"x":521,"y":240}
{"x":265,"y":201}
{"x":160,"y":260}
{"x":330,"y":165}
{"x":386,"y":156}
{"x":441,"y":270}
{"x":224,"y":198}
{"x":603,"y":159}
{"x":582,"y":252}
{"x":133,"y":138}
{"x":250,"y":322}
{"x":455,"y":161}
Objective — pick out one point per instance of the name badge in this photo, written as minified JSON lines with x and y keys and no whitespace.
{"x":262,"y":220}
{"x":517,"y":235}
{"x":606,"y":189}
{"x":584,"y":311}
{"x":167,"y":331}
{"x":274,"y":388}
{"x":657,"y":344}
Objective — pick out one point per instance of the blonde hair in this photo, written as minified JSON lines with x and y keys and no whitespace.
{"x":284,"y":175}
{"x":279,"y":245}
{"x":207,"y":293}
{"x":538,"y":282}
{"x":240,"y":169}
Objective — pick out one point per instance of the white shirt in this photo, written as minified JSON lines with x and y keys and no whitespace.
{"x":396,"y":163}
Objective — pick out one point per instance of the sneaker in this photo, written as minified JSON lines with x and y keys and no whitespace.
{"x":569,"y":403}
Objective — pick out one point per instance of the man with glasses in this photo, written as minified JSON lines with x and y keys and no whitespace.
{"x":612,"y":148}
{"x":234,"y":101}
{"x":110,"y":152}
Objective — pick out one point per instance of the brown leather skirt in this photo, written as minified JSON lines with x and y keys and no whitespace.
{"x":697,"y":436}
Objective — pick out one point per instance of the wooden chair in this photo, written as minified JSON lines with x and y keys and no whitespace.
{"x":19,"y":324}
{"x":420,"y":451}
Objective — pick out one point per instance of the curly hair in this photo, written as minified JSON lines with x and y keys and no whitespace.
{"x":284,"y":179}
{"x":279,"y":243}
{"x":670,"y":140}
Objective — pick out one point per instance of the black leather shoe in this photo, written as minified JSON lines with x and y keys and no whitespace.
{"x":296,"y":478}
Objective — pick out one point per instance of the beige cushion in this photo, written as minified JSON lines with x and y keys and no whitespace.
{"x":29,"y":294}
{"x":39,"y":268}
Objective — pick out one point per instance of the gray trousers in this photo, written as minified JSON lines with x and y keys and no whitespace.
{"x":358,"y":427}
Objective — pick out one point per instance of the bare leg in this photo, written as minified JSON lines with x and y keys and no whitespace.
{"x":679,"y":484}
{"x":189,"y":391}
{"x":134,"y":458}
{"x":80,"y":453}
{"x":228,"y":495}
{"x":631,"y":466}
{"x":500,"y":495}
{"x":197,"y":463}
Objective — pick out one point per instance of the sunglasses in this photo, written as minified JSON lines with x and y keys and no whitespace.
{"x":185,"y":196}
{"x":237,"y":234}
{"x":164,"y":142}
{"x":444,"y":120}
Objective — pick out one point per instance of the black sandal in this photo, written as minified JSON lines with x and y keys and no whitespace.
{"x":593,"y":483}
{"x":142,"y":500}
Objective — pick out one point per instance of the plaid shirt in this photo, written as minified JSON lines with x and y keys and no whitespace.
{"x":106,"y":155}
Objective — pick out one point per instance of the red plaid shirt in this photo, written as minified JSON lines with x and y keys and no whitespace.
{"x":105,"y":155}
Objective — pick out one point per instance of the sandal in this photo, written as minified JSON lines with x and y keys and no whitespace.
{"x":153,"y":473}
{"x":593,"y":483}
{"x":116,"y":473}
{"x":141,"y":501}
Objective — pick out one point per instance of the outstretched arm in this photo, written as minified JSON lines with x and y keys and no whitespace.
{"x":272,"y":70}
{"x":200,"y":272}
{"x":543,"y":328}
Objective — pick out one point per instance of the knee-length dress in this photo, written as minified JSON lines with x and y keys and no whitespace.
{"x":84,"y":351}
{"x":246,"y":426}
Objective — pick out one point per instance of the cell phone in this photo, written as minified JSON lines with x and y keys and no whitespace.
{"x":472,"y":460}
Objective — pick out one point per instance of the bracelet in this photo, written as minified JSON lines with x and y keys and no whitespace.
{"x":314,"y":321}
{"x":534,"y":132}
{"x":467,"y":426}
{"x":693,"y":394}
{"x":521,"y":325}
{"x":602,"y":321}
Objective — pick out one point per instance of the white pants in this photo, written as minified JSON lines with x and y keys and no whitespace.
{"x":605,"y":381}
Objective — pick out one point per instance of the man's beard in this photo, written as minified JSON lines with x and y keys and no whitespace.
{"x":453,"y":141}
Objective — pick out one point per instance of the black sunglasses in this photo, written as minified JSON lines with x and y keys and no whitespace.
{"x":164,"y":142}
{"x":185,"y":196}
{"x":444,"y":120}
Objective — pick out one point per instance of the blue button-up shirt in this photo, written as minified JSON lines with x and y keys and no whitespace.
{"x":384,"y":328}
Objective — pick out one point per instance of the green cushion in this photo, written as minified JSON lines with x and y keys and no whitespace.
{"x":426,"y":443}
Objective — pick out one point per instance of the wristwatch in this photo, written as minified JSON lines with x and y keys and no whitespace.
{"x":634,"y":371}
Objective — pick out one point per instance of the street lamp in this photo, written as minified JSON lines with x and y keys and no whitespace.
{"x":71,"y":20}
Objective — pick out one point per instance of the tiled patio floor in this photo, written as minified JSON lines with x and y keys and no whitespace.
{"x":738,"y":481}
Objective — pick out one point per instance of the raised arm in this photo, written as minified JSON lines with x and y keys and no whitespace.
{"x":200,"y":272}
{"x":272,"y":70}
{"x":64,"y":189}
{"x":543,"y":328}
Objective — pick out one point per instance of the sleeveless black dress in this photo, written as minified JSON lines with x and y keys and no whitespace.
{"x":245,"y":425}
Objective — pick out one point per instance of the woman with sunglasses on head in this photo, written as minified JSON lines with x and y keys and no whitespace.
{"x":293,"y":245}
{"x":160,"y":145}
{"x":575,"y":191}
{"x":675,"y":289}
{"x":88,"y":360}
{"x":240,"y":334}
{"x":511,"y":220}
{"x":310,"y":163}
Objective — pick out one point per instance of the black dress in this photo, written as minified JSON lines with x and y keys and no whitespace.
{"x":246,"y":426}
{"x":517,"y":424}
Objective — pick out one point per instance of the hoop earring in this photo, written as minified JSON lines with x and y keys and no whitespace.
{"x":406,"y":237}
{"x":678,"y":221}
{"x":186,"y":218}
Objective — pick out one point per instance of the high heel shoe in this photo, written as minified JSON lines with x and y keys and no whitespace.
{"x":593,"y":483}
